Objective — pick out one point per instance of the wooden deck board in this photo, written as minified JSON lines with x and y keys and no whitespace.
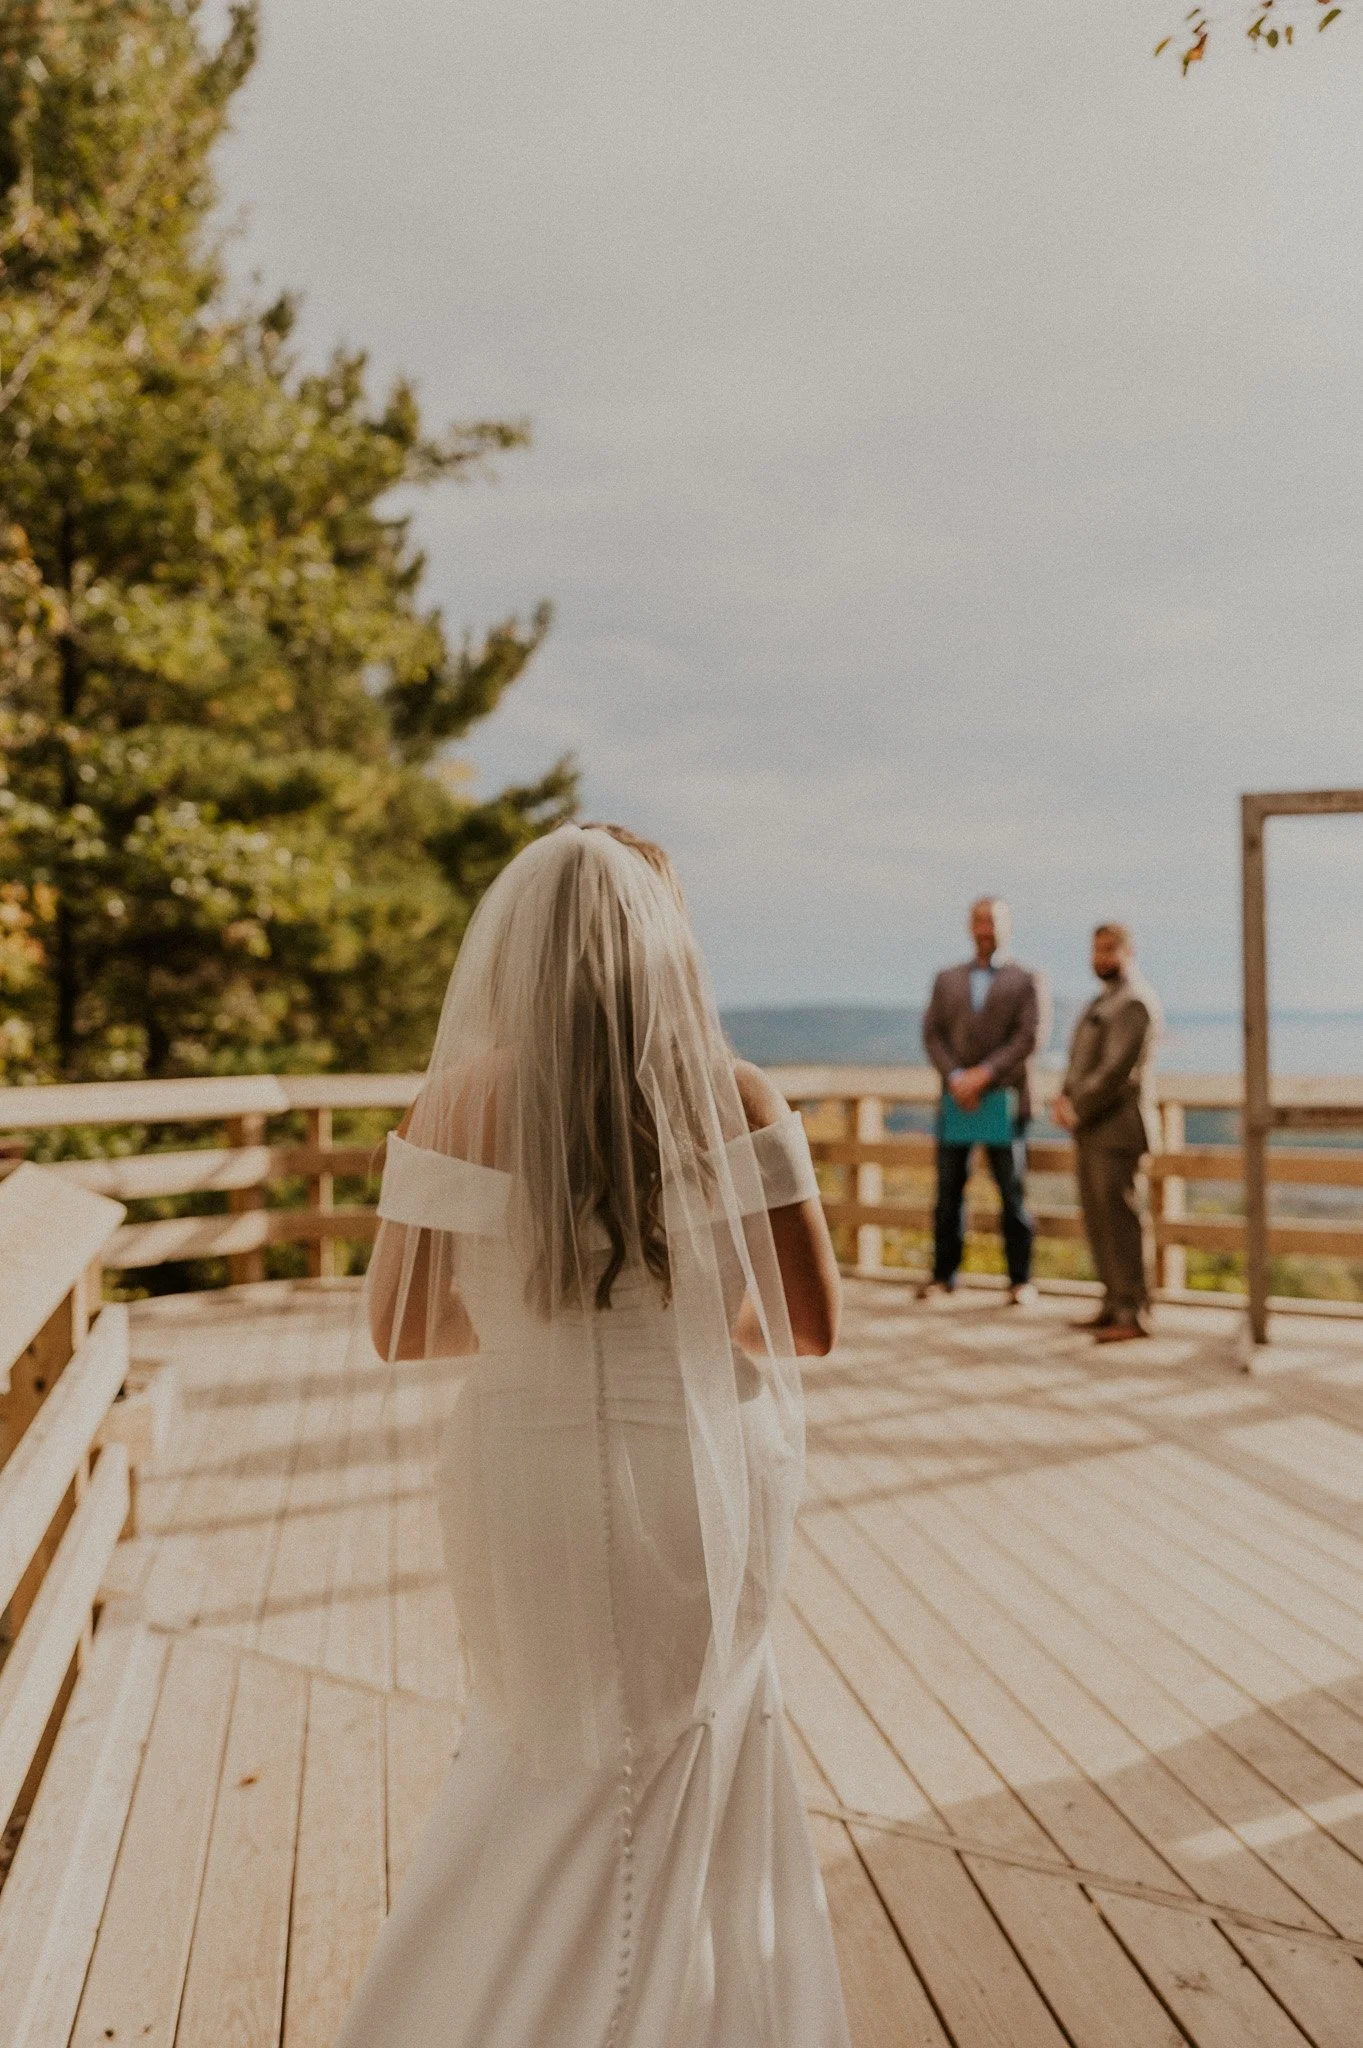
{"x":1299,"y":1768}
{"x":293,"y":1616}
{"x":59,"y":1882}
{"x":1073,"y":1813}
{"x":1089,"y":1981}
{"x":887,"y":2006}
{"x":1209,"y":1987}
{"x":971,"y":1970}
{"x":426,"y":1658}
{"x":359,"y":1631}
{"x":1117,"y":1558}
{"x":340,"y":1892}
{"x":238,"y":1547}
{"x":1281,"y":1611}
{"x":137,"y":1972}
{"x":1005,"y":1481}
{"x":1074,"y":1670}
{"x":234,"y":1987}
{"x":1276,"y":1521}
{"x":1322,"y":1872}
{"x":214,"y":1532}
{"x":964,"y":1788}
{"x":1137,"y":1781}
{"x":1324,"y":1706}
{"x":1321,"y":1989}
{"x":852,"y":1753}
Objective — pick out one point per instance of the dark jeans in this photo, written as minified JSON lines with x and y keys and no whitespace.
{"x":1008,"y":1163}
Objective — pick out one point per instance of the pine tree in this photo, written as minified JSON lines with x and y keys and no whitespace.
{"x":222,"y":845}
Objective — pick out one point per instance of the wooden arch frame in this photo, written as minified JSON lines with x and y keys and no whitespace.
{"x":1260,"y":1114}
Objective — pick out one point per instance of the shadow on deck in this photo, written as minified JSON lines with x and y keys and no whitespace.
{"x":1073,"y":1655}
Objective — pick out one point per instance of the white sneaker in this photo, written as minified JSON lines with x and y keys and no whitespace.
{"x":1022,"y":1297}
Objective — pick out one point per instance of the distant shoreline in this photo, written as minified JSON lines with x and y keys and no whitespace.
{"x":1067,"y":1002}
{"x":876,"y":1034}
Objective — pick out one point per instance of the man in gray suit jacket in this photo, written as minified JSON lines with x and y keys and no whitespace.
{"x":1109,"y":1104}
{"x":981,"y":1028}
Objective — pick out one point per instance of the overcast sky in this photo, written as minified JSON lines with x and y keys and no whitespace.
{"x":947,"y":435}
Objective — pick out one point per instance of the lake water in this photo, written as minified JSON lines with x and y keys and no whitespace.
{"x":1195,"y":1043}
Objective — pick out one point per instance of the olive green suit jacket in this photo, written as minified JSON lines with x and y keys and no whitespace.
{"x":1110,"y":1077}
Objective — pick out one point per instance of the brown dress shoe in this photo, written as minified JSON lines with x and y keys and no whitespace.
{"x":1120,"y":1332}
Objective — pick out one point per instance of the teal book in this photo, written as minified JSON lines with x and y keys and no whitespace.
{"x":992,"y":1123}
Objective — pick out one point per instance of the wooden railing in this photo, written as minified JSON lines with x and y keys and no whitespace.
{"x":242,"y":1167}
{"x":847,"y":1109}
{"x":64,"y":1456}
{"x":861,"y":1097}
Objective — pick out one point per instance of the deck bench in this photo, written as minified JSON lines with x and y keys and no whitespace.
{"x":73,"y":1681}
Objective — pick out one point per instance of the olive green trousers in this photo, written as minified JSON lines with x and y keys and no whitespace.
{"x":1112,"y":1195}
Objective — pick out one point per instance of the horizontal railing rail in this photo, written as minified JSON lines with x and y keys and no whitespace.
{"x":242,"y":1164}
{"x":1310,"y":1099}
{"x":243,"y":1169}
{"x":198,"y":1099}
{"x":863,"y":1097}
{"x":65,"y":1493}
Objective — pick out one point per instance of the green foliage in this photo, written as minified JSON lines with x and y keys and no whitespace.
{"x":222,"y":842}
{"x":1270,"y":25}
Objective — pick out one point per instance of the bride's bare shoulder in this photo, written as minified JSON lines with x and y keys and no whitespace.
{"x":460,"y":1107}
{"x":762,"y":1100}
{"x":482,"y":1073}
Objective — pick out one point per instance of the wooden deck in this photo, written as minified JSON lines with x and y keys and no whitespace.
{"x":1074,"y":1656}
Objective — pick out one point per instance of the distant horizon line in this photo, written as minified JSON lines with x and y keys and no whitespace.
{"x":1295,"y":1016}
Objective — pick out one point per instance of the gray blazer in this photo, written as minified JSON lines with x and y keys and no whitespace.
{"x":1002,"y":1035}
{"x":1110,"y":1077}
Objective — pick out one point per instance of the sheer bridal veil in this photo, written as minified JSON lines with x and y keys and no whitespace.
{"x":574,"y":1298}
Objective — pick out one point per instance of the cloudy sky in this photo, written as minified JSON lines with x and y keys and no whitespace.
{"x":948,"y":444}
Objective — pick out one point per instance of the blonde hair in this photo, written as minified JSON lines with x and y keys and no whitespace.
{"x":649,"y":851}
{"x":610,"y":1131}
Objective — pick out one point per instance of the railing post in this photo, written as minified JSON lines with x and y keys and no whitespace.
{"x":1173,"y":1206}
{"x":321,"y":1197}
{"x":868,"y":1128}
{"x":1254,"y":1130}
{"x":246,"y":1130}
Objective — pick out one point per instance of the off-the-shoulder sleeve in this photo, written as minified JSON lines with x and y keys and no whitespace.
{"x":771,"y":1168}
{"x":434,"y":1191}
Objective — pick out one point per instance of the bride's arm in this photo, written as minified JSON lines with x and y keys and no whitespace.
{"x":804,"y":1249}
{"x":453,"y":1336}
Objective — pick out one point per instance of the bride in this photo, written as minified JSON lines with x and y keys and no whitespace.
{"x":613,"y":1227}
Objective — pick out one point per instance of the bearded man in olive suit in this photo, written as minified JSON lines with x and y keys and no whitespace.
{"x":1108,"y":1102}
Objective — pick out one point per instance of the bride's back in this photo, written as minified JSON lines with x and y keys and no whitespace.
{"x":579,"y":1180}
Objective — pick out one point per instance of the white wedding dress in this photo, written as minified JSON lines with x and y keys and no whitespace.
{"x":619,"y":1857}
